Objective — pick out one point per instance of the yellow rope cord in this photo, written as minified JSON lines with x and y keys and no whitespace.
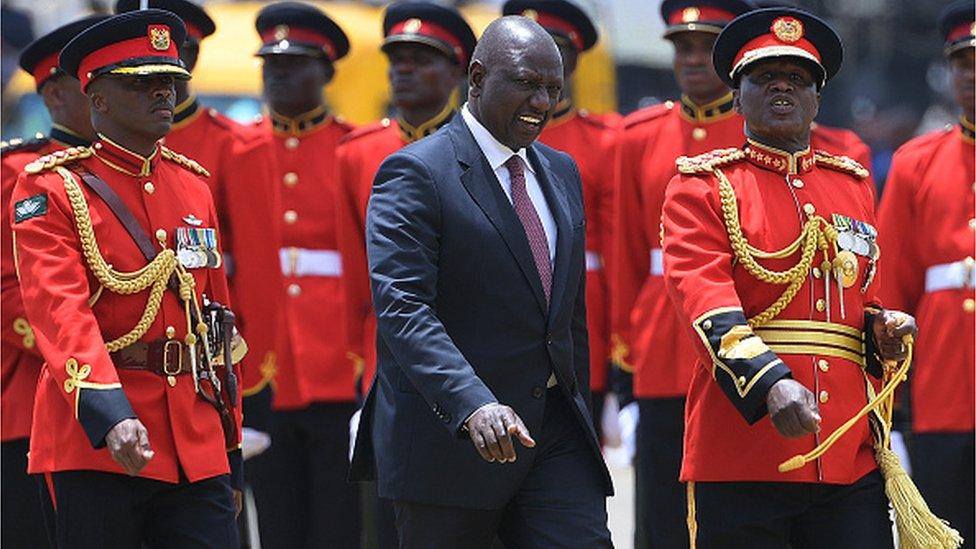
{"x":152,"y":276}
{"x":816,"y":234}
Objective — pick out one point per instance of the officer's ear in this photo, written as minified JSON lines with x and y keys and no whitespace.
{"x":328,"y":71}
{"x":736,"y":105}
{"x":96,"y":96}
{"x":476,"y":78}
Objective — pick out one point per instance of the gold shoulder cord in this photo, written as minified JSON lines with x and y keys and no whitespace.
{"x":153,"y":276}
{"x":817,"y":234}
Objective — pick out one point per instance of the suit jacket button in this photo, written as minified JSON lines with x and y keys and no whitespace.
{"x":537,"y":392}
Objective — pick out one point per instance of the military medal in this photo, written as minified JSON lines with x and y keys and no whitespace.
{"x":196,"y":248}
{"x":845,"y":268}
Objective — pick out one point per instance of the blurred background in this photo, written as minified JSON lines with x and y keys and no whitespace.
{"x":893,"y":84}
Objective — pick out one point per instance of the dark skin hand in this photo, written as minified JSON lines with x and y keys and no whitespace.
{"x":128,"y":443}
{"x":963,"y":77}
{"x":693,"y":68}
{"x":133,"y":111}
{"x":779,"y":100}
{"x":422,"y":79}
{"x":515,"y":80}
{"x":67,"y":105}
{"x":492,"y":429}
{"x":293,"y":84}
{"x":793,"y":408}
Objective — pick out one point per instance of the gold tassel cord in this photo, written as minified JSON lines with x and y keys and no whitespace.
{"x":918,"y":527}
{"x":815,"y":235}
{"x":153,"y":276}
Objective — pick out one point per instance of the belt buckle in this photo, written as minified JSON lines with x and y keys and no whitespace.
{"x":166,"y":357}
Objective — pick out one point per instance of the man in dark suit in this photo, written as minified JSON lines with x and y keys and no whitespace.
{"x":475,"y":238}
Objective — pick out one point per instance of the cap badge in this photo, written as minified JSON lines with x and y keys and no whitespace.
{"x":412,"y":25}
{"x":787,"y":29}
{"x":159,"y":37}
{"x":531,"y":14}
{"x":281,"y":32}
{"x":690,"y":15}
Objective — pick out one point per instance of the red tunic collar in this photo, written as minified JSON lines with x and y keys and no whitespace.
{"x":778,"y":160}
{"x":122,"y":159}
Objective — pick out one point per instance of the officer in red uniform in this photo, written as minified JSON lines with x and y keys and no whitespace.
{"x":648,"y":339}
{"x":137,"y":414}
{"x":769,"y":258}
{"x":21,"y":361}
{"x":241,"y":167}
{"x":926,"y":224}
{"x":428,"y":47}
{"x":303,"y":498}
{"x":590,"y":141}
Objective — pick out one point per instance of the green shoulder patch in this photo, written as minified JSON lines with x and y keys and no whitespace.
{"x":32,"y":206}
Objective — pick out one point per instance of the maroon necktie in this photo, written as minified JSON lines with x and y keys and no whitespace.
{"x":531,"y":223}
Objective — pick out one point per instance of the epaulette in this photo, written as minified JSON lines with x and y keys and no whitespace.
{"x":585,"y":116}
{"x":363,"y":131}
{"x":191,"y":165}
{"x":342,"y":122}
{"x":24,"y":145}
{"x":219,"y":119}
{"x":649,"y":113}
{"x":841,"y":164}
{"x":708,"y":162}
{"x":57,"y":158}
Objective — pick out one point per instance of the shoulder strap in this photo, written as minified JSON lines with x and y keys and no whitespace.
{"x":124,"y":215}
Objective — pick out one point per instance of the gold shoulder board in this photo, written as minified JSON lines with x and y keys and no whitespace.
{"x":707,"y":162}
{"x":57,"y":158}
{"x":841,"y":163}
{"x":187,"y":163}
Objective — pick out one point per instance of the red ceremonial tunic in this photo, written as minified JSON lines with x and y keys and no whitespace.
{"x":242,"y":182}
{"x":20,"y":361}
{"x":358,"y":159}
{"x":311,"y":353}
{"x":927,"y":221}
{"x":591,"y":142}
{"x":649,"y":338}
{"x":80,"y":394}
{"x":728,"y":435}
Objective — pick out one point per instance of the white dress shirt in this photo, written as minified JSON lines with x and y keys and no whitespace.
{"x":497,"y":154}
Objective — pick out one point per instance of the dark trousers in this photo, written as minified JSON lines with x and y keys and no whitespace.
{"x":942,"y":467}
{"x":20,"y":500}
{"x":785,"y":515}
{"x":660,"y":500}
{"x":302,"y":496}
{"x":97,"y":510}
{"x":561,"y":502}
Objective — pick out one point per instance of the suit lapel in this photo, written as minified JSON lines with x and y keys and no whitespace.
{"x":480,"y":182}
{"x":554,"y":190}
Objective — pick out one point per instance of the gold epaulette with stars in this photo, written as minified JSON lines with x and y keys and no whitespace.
{"x":57,"y":158}
{"x":187,"y":163}
{"x":841,"y":163}
{"x":710,"y":161}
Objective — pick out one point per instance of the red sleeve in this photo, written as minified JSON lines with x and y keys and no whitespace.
{"x":351,"y":234}
{"x":629,"y":257}
{"x":54,"y":285}
{"x":698,"y":275}
{"x":899,"y":287}
{"x":15,"y":330}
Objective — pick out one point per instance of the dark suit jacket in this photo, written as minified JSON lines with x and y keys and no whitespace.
{"x":463,"y":321}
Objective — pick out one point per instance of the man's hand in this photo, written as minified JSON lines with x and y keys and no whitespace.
{"x":889,"y":328}
{"x":238,"y":502}
{"x":793,"y":409}
{"x":491,"y":428}
{"x":128,"y":442}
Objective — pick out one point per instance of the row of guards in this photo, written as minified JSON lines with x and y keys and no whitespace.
{"x":289,"y":194}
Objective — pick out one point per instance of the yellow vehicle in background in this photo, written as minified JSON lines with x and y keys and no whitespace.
{"x":228,"y":76}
